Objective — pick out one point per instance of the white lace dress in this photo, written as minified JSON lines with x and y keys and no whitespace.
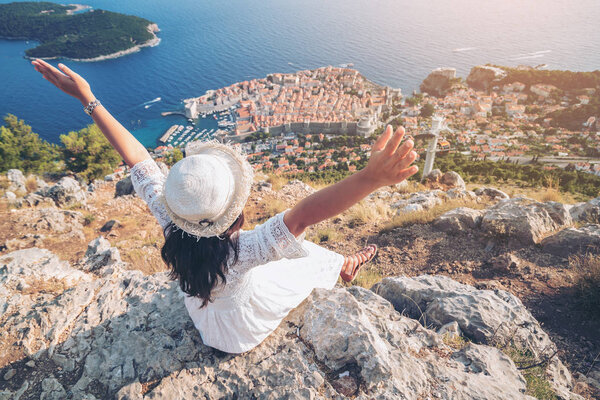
{"x":274,"y":273}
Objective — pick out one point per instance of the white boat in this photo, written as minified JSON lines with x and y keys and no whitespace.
{"x":152,"y":101}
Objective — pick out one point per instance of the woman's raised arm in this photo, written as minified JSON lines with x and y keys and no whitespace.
{"x":74,"y":85}
{"x":389,"y":164}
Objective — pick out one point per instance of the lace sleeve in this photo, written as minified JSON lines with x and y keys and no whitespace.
{"x":147,"y":180}
{"x":269,"y":242}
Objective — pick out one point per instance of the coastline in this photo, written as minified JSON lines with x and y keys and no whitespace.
{"x":78,"y":7}
{"x":152,"y":28}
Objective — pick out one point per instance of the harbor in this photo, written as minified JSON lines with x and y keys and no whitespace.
{"x":203,"y":128}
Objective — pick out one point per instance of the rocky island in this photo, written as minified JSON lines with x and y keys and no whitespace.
{"x":86,"y":36}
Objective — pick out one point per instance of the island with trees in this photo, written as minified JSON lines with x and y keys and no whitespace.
{"x":88,"y":36}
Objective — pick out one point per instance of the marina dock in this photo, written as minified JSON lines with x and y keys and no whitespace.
{"x":167,"y":113}
{"x":198,"y":129}
{"x":164,"y":138}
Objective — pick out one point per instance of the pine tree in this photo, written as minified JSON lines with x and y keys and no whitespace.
{"x":23,"y":149}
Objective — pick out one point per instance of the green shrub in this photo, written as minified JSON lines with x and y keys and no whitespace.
{"x":325,"y":235}
{"x":88,"y":219}
{"x":89,"y":154}
{"x":23,"y":149}
{"x":173,"y":156}
{"x":533,"y":371}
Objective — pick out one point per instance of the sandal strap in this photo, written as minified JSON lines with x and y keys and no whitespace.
{"x":369,"y":252}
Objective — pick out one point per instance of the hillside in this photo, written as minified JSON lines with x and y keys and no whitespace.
{"x":83,"y":36}
{"x":80,"y":322}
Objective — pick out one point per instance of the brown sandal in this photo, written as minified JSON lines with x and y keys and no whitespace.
{"x":352,"y":264}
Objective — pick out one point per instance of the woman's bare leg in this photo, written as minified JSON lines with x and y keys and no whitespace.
{"x":353,"y":263}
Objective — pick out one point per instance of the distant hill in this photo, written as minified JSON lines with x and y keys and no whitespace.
{"x":565,"y":80}
{"x":87,"y":35}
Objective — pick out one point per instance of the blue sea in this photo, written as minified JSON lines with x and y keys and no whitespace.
{"x":207,"y":44}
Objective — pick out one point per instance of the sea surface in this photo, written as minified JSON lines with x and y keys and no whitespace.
{"x":207,"y":44}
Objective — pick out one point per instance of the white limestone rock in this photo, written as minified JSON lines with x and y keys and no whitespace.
{"x":36,"y":320}
{"x":410,"y":208}
{"x":132,"y":391}
{"x":16,"y":181}
{"x":396,"y":355}
{"x":52,"y":390}
{"x":574,"y":240}
{"x":485,"y":316}
{"x":37,"y":200}
{"x":524,"y":221}
{"x":10,"y":196}
{"x":110,"y":177}
{"x":458,"y":220}
{"x":100,"y":254}
{"x":586,"y":212}
{"x":456,"y":193}
{"x":295,"y":186}
{"x":453,"y":180}
{"x":40,"y":183}
{"x":263,"y":186}
{"x":55,"y":220}
{"x":39,"y":265}
{"x":65,"y":192}
{"x":450,"y":330}
{"x":115,"y":331}
{"x":403,"y":186}
{"x":434,"y":176}
{"x":426,"y":200}
{"x":492,"y":193}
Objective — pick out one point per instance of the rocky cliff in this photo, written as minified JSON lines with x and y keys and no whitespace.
{"x":439,"y":81}
{"x":453,"y":313}
{"x":483,"y":77}
{"x":97,"y":330}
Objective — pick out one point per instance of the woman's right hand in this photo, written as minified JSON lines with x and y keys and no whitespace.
{"x":390,"y":164}
{"x":67,"y":81}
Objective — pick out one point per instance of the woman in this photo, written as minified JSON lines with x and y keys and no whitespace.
{"x":239,"y":284}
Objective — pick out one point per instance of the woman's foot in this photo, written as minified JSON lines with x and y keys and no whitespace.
{"x":352,"y":264}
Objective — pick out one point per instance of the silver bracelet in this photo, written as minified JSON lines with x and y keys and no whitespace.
{"x":90,"y":107}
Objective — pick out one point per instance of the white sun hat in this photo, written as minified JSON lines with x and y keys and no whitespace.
{"x":206,"y":191}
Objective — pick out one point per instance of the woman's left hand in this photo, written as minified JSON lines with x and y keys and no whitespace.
{"x":67,"y":80}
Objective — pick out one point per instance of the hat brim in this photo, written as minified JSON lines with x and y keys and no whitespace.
{"x":244,"y":175}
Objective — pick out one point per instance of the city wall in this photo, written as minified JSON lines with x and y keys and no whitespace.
{"x":342,"y":128}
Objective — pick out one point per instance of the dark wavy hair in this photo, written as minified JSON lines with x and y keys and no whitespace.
{"x":199,"y":263}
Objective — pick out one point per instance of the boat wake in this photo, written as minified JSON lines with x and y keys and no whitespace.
{"x":156,"y":100}
{"x":462,"y":49}
{"x":535,"y":54}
